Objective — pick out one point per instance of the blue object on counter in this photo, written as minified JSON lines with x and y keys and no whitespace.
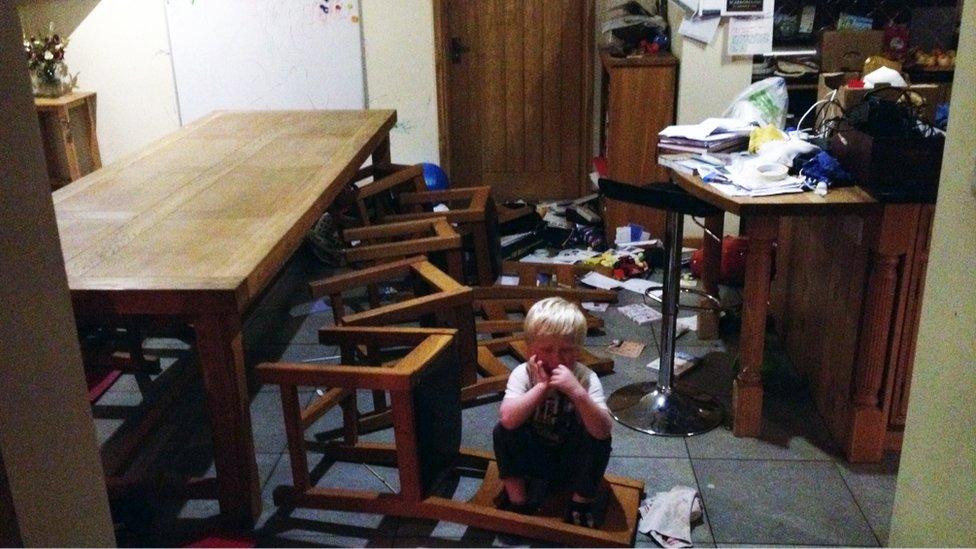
{"x":664,"y":41}
{"x":435,"y":177}
{"x":942,"y":116}
{"x":824,"y":167}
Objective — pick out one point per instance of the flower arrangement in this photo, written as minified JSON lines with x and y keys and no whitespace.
{"x":45,"y":60}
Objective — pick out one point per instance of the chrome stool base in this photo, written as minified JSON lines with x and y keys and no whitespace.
{"x":675,"y":413}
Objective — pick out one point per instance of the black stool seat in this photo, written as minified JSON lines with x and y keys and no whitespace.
{"x":663,"y":196}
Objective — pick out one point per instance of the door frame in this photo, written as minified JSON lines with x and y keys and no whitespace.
{"x":441,"y":67}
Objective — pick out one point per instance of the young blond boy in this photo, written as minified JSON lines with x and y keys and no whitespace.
{"x":554,"y":423}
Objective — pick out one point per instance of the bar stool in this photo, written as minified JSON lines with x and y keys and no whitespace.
{"x":663,"y":408}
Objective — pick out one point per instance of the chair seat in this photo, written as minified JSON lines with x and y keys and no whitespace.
{"x":663,"y":196}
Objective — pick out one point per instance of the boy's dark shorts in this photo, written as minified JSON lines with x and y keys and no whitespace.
{"x":580,"y":460}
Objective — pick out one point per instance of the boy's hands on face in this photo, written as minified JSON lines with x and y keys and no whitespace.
{"x":537,"y":372}
{"x":566,"y":383}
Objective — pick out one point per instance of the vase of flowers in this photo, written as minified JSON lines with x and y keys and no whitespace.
{"x":45,"y":60}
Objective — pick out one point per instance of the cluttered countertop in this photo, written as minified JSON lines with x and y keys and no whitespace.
{"x":876,"y":138}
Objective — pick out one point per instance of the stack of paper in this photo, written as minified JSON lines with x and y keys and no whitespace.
{"x":709,"y":136}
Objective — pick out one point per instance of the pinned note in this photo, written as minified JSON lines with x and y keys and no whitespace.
{"x":750,"y":35}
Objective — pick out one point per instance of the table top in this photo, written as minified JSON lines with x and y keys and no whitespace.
{"x":206,"y":216}
{"x":66,"y":100}
{"x":839,"y":201}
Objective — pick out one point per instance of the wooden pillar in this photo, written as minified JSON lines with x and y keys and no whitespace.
{"x":747,"y":390}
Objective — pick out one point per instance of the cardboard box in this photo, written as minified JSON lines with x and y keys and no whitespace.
{"x":931,"y":95}
{"x":847,"y":50}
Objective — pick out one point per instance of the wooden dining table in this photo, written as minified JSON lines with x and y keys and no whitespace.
{"x":192,"y":229}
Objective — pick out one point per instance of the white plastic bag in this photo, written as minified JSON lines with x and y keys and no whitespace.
{"x":763,"y":102}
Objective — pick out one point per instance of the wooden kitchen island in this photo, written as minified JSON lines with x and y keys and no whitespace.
{"x":846,"y":299}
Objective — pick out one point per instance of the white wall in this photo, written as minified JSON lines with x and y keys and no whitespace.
{"x":399,"y":51}
{"x":935,"y":501}
{"x":120,"y":48}
{"x":708,"y":80}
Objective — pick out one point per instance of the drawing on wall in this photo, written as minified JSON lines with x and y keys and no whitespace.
{"x":286,"y":54}
{"x":338,"y":10}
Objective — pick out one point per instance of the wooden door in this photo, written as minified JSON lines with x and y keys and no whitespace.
{"x":515,"y":91}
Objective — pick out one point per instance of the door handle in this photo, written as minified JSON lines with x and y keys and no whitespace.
{"x":456,"y":49}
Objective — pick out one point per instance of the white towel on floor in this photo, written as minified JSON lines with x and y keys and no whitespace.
{"x":667,"y":516}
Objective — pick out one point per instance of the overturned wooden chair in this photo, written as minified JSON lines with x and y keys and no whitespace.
{"x":425,"y":390}
{"x":434,"y":300}
{"x":399,"y":193}
{"x":378,"y":244}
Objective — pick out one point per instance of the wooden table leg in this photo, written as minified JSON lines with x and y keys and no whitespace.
{"x":222,"y":366}
{"x":381,"y":154}
{"x":711,"y":270}
{"x":747,"y":390}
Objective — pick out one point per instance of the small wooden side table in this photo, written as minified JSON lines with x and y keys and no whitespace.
{"x":68,"y":133}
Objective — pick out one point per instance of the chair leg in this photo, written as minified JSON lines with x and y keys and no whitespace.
{"x":482,"y":256}
{"x":455,"y":265}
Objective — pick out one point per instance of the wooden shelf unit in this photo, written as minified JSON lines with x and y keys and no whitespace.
{"x":638,"y":102}
{"x":68,"y":135}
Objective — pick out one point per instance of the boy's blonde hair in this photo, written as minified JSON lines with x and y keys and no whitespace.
{"x":554,"y":316}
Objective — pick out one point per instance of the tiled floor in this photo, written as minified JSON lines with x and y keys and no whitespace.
{"x":789,"y":487}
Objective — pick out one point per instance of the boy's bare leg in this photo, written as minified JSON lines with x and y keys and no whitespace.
{"x":515,"y":489}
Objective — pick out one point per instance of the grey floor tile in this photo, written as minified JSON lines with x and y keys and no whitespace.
{"x":873,"y":486}
{"x":780,"y":502}
{"x":274,"y":326}
{"x":477,"y":425}
{"x":304,"y":539}
{"x":299,"y":352}
{"x":267,"y":421}
{"x":661,"y":475}
{"x":279,"y":522}
{"x":191,"y":514}
{"x":468,"y":542}
{"x":457,"y":487}
{"x":628,"y":442}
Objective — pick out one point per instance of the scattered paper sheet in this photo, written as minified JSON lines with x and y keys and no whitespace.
{"x":685,"y":325}
{"x":682,"y":363}
{"x":571,"y":255}
{"x":639,"y":285}
{"x":629,"y":349}
{"x":640,"y":313}
{"x":598,"y":280}
{"x":702,"y":29}
{"x":508,"y":280}
{"x":595,"y":307}
{"x":750,"y":35}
